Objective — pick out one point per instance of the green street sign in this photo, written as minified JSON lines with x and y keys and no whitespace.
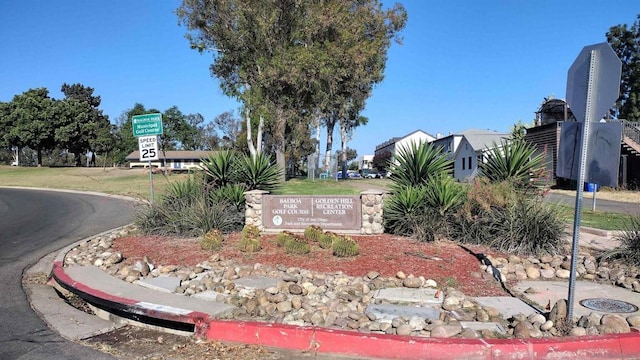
{"x":147,"y":125}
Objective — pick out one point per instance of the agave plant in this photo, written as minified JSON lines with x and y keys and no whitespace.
{"x":514,"y":161}
{"x":416,"y":164}
{"x":258,"y":172}
{"x":219,"y":168}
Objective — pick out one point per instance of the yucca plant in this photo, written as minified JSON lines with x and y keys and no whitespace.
{"x":414,"y":165}
{"x":231,"y":193}
{"x":187,"y":189}
{"x":212,"y":240}
{"x":258,"y":173}
{"x":219,"y":168}
{"x":313,"y":233}
{"x":403,"y":210}
{"x":515,"y":161}
{"x":344,"y":246}
{"x":443,"y":194}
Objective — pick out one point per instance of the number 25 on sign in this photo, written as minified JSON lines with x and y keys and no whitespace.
{"x":148,"y":146}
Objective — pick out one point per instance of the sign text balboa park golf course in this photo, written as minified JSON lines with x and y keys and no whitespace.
{"x":339,"y":212}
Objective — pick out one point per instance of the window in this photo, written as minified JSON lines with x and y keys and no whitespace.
{"x":470,"y":167}
{"x":463,"y":160}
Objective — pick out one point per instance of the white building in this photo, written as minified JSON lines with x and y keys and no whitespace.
{"x":396,"y":143}
{"x":365,"y":162}
{"x":467,"y":148}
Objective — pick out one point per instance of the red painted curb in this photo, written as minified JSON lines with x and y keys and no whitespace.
{"x":198,"y":319}
{"x":382,"y":346}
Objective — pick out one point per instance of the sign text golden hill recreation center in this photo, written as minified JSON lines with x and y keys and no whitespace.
{"x":331,"y":212}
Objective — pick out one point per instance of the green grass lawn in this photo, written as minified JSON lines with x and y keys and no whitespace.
{"x":596,"y":219}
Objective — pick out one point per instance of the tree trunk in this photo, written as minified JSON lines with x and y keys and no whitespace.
{"x":327,"y":159}
{"x":279,"y":142}
{"x":343,"y":156}
{"x":252,"y":149}
{"x":39,"y":151}
{"x":259,"y":137}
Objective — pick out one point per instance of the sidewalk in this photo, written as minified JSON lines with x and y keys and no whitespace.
{"x":95,"y":285}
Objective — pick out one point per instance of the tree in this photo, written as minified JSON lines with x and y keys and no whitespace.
{"x":78,"y":121}
{"x":345,"y":158}
{"x":126,"y":142}
{"x":230,"y":127}
{"x":625,"y":41}
{"x":381,"y":160}
{"x":193,"y":138}
{"x":286,"y":57}
{"x":518,"y":131}
{"x":31,"y":120}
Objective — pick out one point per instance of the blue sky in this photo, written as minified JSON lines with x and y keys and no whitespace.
{"x":464,"y":64}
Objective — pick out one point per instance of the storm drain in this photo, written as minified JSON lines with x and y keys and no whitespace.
{"x":608,"y":305}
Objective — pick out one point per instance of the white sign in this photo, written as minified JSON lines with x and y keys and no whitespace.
{"x":148,"y":146}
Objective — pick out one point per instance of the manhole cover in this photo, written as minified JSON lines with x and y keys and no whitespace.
{"x":608,"y":305}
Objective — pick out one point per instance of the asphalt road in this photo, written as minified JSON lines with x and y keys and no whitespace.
{"x":601,"y":205}
{"x":34,"y":223}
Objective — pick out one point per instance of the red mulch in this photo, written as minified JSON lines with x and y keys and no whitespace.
{"x":386,"y":254}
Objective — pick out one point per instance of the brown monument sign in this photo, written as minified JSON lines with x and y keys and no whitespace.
{"x":331,"y":212}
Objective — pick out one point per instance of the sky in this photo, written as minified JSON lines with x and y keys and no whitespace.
{"x":463,"y":63}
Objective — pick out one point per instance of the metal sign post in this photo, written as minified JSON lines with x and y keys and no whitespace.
{"x":147,"y":128}
{"x":593,"y":85}
{"x":580,"y":188}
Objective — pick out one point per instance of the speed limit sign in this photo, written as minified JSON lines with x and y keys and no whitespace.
{"x":148,"y":146}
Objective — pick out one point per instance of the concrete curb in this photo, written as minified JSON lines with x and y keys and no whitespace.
{"x":199,"y":320}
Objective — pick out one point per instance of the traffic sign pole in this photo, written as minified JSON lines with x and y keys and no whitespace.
{"x":580,"y":188}
{"x":147,"y":128}
{"x":593,"y":85}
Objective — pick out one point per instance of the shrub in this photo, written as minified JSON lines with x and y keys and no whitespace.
{"x":529,"y":227}
{"x":344,"y":246}
{"x":629,"y":248}
{"x":313,"y":233}
{"x":212,"y":240}
{"x":188,"y":217}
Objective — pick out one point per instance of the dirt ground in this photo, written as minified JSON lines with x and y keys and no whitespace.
{"x":136,"y":343}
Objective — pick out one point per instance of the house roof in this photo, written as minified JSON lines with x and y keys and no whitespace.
{"x":174,"y":155}
{"x":394,"y":140}
{"x":483,"y":139}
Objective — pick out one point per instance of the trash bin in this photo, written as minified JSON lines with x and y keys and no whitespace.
{"x":591,"y":187}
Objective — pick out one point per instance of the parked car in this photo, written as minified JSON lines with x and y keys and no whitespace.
{"x":370,"y":174}
{"x":351,"y":174}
